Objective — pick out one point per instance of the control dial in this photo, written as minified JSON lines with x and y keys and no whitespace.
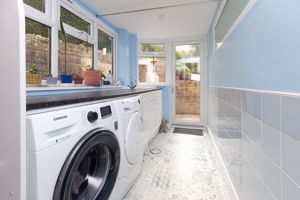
{"x":92,"y":116}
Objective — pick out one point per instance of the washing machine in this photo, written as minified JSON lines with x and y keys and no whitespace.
{"x":73,"y":153}
{"x":133,"y":133}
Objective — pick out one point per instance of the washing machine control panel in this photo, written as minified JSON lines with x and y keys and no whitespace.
{"x":92,"y":116}
{"x":105,"y":111}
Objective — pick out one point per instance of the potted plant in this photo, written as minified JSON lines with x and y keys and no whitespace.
{"x":65,"y":78}
{"x":49,"y":78}
{"x":78,"y":79}
{"x":32,"y":75}
{"x":91,"y":76}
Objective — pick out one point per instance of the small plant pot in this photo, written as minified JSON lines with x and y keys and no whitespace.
{"x":66,"y":78}
{"x":106,"y":82}
{"x":51,"y":80}
{"x":34,"y":79}
{"x":78,"y":80}
{"x":91,"y":78}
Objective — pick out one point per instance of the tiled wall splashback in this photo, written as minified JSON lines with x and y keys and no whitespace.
{"x":258,"y":136}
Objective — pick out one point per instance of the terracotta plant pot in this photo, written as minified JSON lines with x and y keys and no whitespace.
{"x":91,"y":78}
{"x":78,"y":80}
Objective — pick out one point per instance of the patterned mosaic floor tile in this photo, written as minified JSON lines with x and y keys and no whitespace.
{"x":179,"y":167}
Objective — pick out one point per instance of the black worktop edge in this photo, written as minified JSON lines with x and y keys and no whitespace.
{"x":42,"y":102}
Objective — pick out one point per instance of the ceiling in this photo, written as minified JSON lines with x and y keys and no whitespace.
{"x":173,"y":19}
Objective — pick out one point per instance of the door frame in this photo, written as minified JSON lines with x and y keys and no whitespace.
{"x":203,"y":85}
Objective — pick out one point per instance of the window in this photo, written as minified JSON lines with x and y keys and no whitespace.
{"x":45,"y":44}
{"x":37,"y":4}
{"x":228,"y":17}
{"x":74,"y":21}
{"x":38,"y":42}
{"x":105,"y":53}
{"x":152,"y":70}
{"x":79,"y":54}
{"x":155,"y":48}
{"x":152,"y":63}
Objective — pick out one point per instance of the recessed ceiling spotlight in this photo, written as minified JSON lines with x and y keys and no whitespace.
{"x":161,"y":16}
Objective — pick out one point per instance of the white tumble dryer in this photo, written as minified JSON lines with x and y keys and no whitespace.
{"x":133,"y":133}
{"x":73,"y":153}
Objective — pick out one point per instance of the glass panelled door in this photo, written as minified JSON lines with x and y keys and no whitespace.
{"x":187,"y":84}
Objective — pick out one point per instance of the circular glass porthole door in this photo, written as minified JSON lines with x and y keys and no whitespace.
{"x":134,"y":138}
{"x":91,"y":169}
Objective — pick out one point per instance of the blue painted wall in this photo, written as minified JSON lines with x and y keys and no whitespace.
{"x":126,"y":47}
{"x":133,"y":56}
{"x":166,"y":103}
{"x":263,"y":52}
{"x":127,"y":56}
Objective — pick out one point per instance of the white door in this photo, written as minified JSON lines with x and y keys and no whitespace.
{"x":189,"y":82}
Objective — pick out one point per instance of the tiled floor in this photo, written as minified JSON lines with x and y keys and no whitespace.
{"x":188,"y":117}
{"x":179,"y":167}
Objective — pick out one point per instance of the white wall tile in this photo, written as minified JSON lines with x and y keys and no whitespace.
{"x":251,"y":103}
{"x":291,"y":157}
{"x":271,"y":110}
{"x":268,"y":195}
{"x":272,"y":178}
{"x":290,"y":191}
{"x":252,"y":185}
{"x":271,"y":143}
{"x":290,"y":115}
{"x":262,"y":156}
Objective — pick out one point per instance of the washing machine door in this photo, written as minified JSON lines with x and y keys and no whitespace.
{"x":134,"y":145}
{"x":91,"y":168}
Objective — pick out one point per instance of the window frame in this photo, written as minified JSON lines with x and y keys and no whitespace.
{"x":39,"y":16}
{"x":103,"y":27}
{"x":235,"y":24}
{"x":50,"y":43}
{"x":47,"y":19}
{"x":51,"y":18}
{"x":165,"y":54}
{"x":152,"y":53}
{"x":72,"y":30}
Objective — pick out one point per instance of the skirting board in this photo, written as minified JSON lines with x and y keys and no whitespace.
{"x":231,"y":189}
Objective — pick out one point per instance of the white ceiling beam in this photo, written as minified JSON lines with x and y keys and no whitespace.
{"x":150,"y":5}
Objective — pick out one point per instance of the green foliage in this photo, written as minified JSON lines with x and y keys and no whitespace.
{"x":105,"y":41}
{"x":33,"y":27}
{"x":182,"y":69}
{"x":88,"y":68}
{"x":152,"y":47}
{"x":193,"y":51}
{"x":48,"y":73}
{"x":37,"y":4}
{"x":32,"y":69}
{"x":73,"y":20}
{"x":76,"y":75}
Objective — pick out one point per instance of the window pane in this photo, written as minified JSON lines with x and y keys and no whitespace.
{"x":74,"y":21}
{"x":228,"y":16}
{"x":152,"y":70}
{"x":37,"y":4}
{"x":79,"y":54}
{"x":158,"y":48}
{"x":105,"y":53}
{"x":37,"y":45}
{"x":187,"y":83}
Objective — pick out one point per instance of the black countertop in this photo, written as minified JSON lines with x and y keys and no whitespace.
{"x":48,"y":100}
